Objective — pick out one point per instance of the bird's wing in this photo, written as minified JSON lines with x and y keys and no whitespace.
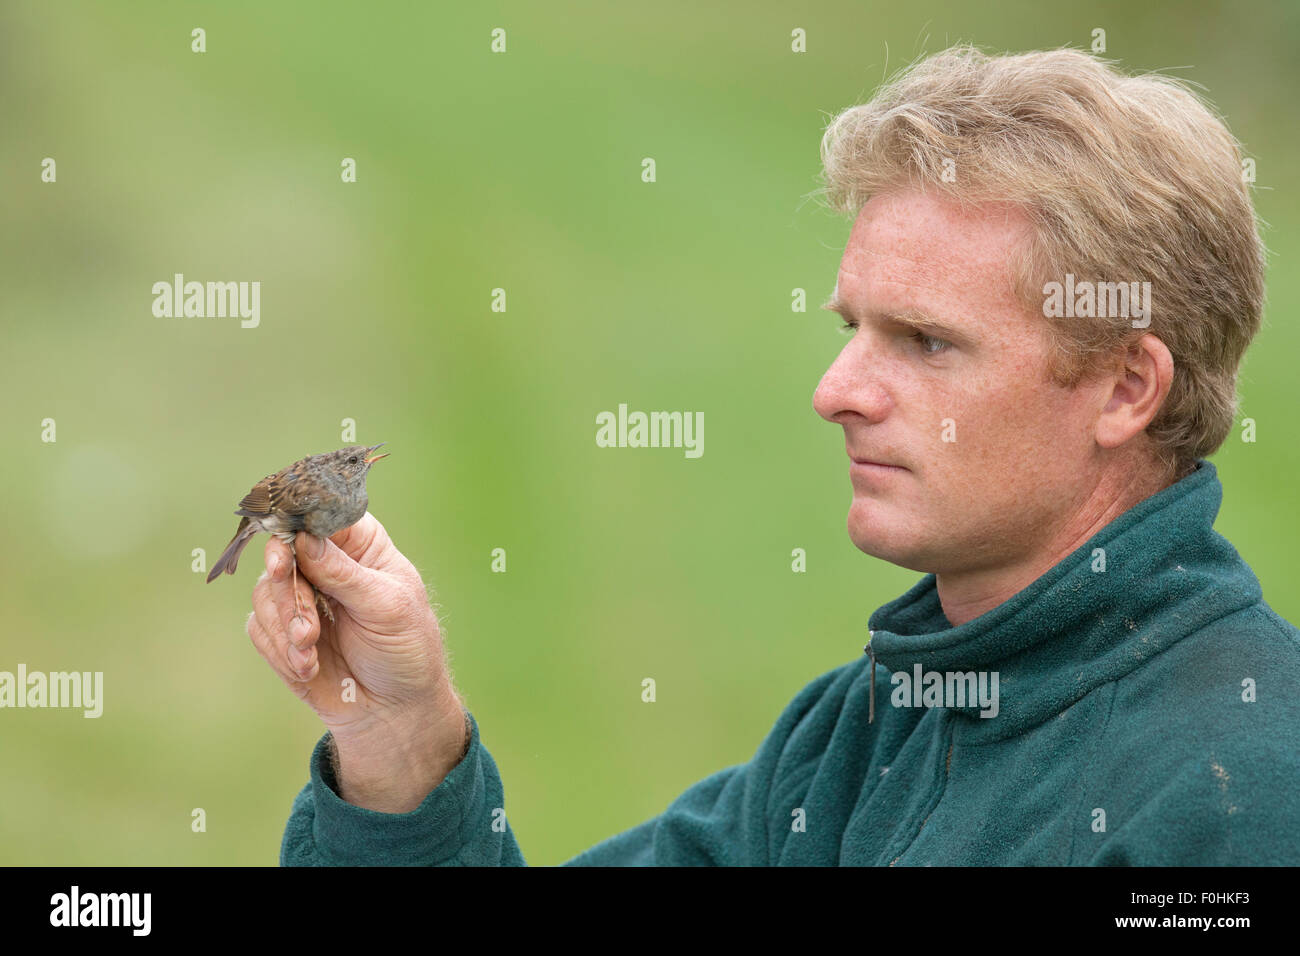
{"x":280,"y":494}
{"x":258,"y":501}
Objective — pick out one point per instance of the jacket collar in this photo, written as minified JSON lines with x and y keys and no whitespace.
{"x":1167,"y":574}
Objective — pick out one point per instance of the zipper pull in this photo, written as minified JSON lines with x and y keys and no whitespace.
{"x":871,"y":693}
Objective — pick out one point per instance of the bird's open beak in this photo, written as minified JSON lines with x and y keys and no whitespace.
{"x":374,"y":458}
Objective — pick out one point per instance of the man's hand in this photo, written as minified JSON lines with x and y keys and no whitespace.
{"x":406,"y":728}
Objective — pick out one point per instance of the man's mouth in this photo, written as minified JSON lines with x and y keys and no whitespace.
{"x":872,"y":462}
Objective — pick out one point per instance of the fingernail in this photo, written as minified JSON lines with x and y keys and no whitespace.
{"x":273,"y":565}
{"x":316,"y":547}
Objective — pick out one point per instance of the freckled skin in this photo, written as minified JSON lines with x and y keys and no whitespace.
{"x":1035,"y":469}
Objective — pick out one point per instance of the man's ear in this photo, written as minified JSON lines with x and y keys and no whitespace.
{"x":1140,"y":384}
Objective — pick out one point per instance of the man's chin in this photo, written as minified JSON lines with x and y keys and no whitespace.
{"x":880,"y":542}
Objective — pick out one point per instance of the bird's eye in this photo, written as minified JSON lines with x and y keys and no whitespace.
{"x":352,"y":460}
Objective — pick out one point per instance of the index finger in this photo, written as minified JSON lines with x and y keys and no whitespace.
{"x":276,"y":550}
{"x":366,"y":543}
{"x":298,"y":625}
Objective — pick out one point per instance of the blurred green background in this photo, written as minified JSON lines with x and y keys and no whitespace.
{"x":478,"y":171}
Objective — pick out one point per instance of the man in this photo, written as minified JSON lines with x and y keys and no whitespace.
{"x":1052,"y":278}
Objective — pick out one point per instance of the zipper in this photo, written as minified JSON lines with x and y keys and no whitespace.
{"x":947,"y":770}
{"x":871,"y":691}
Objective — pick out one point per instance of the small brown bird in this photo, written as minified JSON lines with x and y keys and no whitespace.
{"x":320,"y":494}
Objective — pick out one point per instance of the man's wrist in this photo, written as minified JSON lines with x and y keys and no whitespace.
{"x":395,"y":771}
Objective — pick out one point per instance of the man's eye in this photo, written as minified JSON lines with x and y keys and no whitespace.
{"x":928,"y":343}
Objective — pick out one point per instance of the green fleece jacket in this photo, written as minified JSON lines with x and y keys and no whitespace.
{"x":1146,"y":711}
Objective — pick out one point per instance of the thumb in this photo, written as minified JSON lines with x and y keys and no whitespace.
{"x":330,"y":568}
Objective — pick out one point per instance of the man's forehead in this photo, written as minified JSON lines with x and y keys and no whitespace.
{"x":929,"y":232}
{"x":915,"y":245}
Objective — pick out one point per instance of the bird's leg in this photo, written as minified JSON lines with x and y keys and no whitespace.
{"x":297,"y":606}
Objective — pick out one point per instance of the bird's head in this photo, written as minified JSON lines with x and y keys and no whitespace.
{"x":355,"y":461}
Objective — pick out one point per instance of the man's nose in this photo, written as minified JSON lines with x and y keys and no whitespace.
{"x":850,"y":386}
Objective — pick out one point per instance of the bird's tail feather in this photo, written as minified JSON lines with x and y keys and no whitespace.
{"x":229,"y":559}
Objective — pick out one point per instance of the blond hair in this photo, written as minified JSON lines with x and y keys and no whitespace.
{"x":1123,"y":178}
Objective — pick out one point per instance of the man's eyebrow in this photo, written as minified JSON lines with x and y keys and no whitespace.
{"x":915,"y":318}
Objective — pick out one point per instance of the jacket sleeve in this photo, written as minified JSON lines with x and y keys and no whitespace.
{"x":461,"y":822}
{"x":720,"y":821}
{"x":728,"y":818}
{"x":711,"y":824}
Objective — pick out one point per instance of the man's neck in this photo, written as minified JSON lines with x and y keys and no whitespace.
{"x":966,"y":595}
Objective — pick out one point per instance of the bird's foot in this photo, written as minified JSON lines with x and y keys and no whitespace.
{"x":323,"y":603}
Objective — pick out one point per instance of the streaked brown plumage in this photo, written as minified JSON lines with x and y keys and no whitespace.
{"x":319,"y":494}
